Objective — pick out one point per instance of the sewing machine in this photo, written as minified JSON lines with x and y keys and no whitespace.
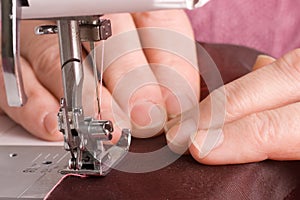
{"x":77,"y":20}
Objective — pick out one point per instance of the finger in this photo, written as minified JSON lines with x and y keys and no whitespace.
{"x":129,"y":78}
{"x":179,"y":129}
{"x":178,"y":136}
{"x":247,"y":95}
{"x":167,"y":39}
{"x":272,"y":134}
{"x":270,"y":87}
{"x":39,"y":114}
{"x":262,"y":60}
{"x":42,"y":52}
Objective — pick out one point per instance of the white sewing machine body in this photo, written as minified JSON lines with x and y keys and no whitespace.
{"x":39,"y":9}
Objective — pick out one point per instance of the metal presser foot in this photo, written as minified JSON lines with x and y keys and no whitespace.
{"x":86,"y":138}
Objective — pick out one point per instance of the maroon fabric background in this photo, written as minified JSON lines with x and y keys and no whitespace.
{"x":187,"y":179}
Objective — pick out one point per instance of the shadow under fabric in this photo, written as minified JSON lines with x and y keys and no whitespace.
{"x":185,"y":178}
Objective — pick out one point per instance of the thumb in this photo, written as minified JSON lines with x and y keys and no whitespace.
{"x":39,"y":114}
{"x":272,"y":134}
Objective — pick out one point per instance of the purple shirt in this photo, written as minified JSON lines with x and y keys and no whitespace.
{"x":271,"y":26}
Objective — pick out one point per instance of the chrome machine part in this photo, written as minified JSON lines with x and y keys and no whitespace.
{"x":84,"y":136}
{"x":30,"y":172}
{"x":11,"y":13}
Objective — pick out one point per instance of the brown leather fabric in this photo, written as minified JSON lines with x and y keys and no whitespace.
{"x":187,"y":179}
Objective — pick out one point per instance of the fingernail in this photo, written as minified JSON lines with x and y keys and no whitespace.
{"x":148,"y":118}
{"x":180,"y":103}
{"x":171,"y":123}
{"x":192,"y":113}
{"x":179,"y":136}
{"x":207,"y":140}
{"x":50,"y":123}
{"x":265,"y":57}
{"x":262,"y":60}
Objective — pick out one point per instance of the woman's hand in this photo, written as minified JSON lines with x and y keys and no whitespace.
{"x":255,"y":117}
{"x":138,"y":89}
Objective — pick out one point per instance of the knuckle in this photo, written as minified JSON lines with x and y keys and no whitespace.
{"x":218,"y":105}
{"x":290,"y":64}
{"x":234,"y":100}
{"x":47,"y":61}
{"x":264,"y":129}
